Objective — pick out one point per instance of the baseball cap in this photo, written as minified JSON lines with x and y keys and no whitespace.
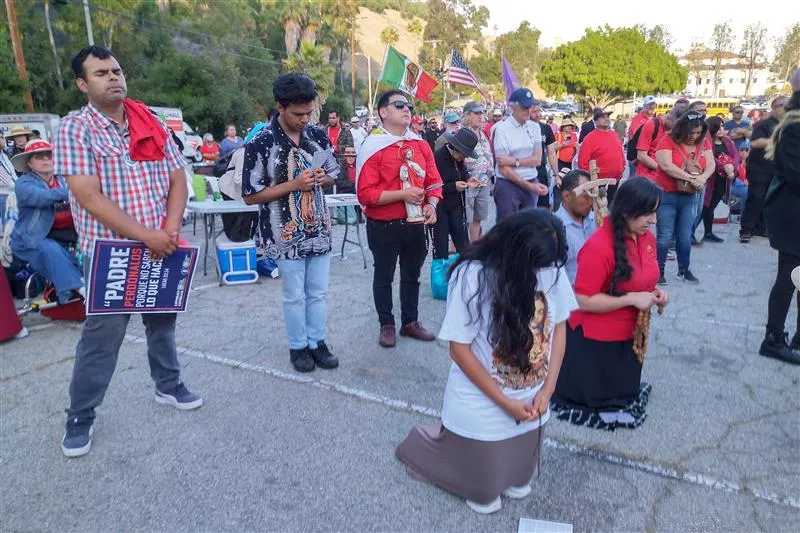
{"x":354,"y":120}
{"x":599,"y":112}
{"x":473,"y":107}
{"x":523,"y":97}
{"x":649,"y":99}
{"x":497,"y":111}
{"x":416,"y":119}
{"x":451,"y":117}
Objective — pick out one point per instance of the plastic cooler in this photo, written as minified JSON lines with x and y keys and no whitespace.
{"x":236,"y":261}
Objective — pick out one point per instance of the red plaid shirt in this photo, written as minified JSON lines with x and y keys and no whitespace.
{"x":88,"y":143}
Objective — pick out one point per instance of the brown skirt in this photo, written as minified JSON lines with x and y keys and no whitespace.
{"x":474,"y":470}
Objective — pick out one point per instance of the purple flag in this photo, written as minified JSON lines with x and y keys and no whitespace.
{"x":510,"y":81}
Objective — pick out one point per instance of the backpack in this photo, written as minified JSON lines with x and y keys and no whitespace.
{"x":630,"y":152}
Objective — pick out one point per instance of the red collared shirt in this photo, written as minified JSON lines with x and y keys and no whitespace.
{"x":88,"y":143}
{"x":381,"y":172}
{"x":596,"y":269}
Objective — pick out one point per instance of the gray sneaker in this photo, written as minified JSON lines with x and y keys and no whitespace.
{"x":179,"y":397}
{"x":77,"y":439}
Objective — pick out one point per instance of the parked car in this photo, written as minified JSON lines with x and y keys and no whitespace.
{"x":173,"y":118}
{"x":45,"y":123}
{"x":362,"y":112}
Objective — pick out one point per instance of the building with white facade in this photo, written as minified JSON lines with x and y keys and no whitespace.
{"x":733,"y":79}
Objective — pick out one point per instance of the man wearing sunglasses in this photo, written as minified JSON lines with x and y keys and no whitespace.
{"x":386,"y":159}
{"x":739,"y":128}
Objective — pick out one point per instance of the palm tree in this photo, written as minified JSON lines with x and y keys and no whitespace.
{"x":312,"y":60}
{"x":293,"y":13}
{"x":389,"y":36}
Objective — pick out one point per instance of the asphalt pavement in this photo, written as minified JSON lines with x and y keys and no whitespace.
{"x":273,"y":450}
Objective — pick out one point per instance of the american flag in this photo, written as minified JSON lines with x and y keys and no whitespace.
{"x":460,"y":74}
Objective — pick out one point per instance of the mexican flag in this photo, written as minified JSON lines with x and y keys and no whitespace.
{"x":401,"y":72}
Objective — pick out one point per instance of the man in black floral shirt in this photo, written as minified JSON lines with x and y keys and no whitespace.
{"x":280,"y":174}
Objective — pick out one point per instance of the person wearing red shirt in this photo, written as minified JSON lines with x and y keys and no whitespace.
{"x":648,"y":109}
{"x":604,"y":146}
{"x":600,"y":380}
{"x":395,"y":170}
{"x":210,"y":149}
{"x":651,"y":133}
{"x":682,"y":155}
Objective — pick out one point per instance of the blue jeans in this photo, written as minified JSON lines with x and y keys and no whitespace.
{"x":739,"y":190}
{"x":57,"y":265}
{"x":304,"y":285}
{"x":676,"y":216}
{"x":698,"y":217}
{"x":98,"y":349}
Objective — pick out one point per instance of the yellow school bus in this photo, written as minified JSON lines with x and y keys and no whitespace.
{"x":714,"y":106}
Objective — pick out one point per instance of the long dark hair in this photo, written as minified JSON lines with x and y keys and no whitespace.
{"x":636,"y":197}
{"x":680,"y":131}
{"x":714,"y":125}
{"x":511,"y":253}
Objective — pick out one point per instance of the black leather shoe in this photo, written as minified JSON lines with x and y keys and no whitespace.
{"x":302,"y":360}
{"x":777,"y":347}
{"x":796,"y":342}
{"x":323,"y":356}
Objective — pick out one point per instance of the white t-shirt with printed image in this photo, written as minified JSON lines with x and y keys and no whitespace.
{"x":467,"y":411}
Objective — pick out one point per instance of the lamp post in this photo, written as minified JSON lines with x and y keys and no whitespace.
{"x":369,"y":79}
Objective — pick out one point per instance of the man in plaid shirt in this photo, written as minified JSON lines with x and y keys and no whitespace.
{"x":114,"y":196}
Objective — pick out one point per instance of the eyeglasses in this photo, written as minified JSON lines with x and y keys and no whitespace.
{"x":44,"y":155}
{"x":695,"y":115}
{"x":401,"y":104}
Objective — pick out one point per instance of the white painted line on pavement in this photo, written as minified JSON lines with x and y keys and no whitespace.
{"x":650,"y":467}
{"x":207,"y":286}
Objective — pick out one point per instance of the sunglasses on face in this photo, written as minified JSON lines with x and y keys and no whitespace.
{"x":400,"y":104}
{"x":42,"y":156}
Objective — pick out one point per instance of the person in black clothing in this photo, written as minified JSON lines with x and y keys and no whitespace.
{"x":548,"y":153}
{"x":451,"y":212}
{"x":781,"y":209}
{"x":432,"y":133}
{"x":759,"y":173}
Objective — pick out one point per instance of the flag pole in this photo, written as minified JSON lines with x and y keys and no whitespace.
{"x":377,"y":82}
{"x":445,"y":82}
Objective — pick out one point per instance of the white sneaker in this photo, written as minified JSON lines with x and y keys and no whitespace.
{"x":517,"y":493}
{"x":489,"y":508}
{"x":22,"y":333}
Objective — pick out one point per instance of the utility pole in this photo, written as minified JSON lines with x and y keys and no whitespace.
{"x":88,"y":16}
{"x":353,"y":63}
{"x":53,"y":43}
{"x":19,"y":56}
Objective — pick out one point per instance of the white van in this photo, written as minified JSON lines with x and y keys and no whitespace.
{"x":173,"y":118}
{"x":45,"y":123}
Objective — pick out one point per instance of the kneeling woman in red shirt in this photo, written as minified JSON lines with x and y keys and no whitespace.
{"x":600,"y":381}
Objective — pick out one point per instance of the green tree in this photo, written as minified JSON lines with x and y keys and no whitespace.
{"x":389,"y":36}
{"x":721,"y":47}
{"x":294,"y":14}
{"x":521,"y":48}
{"x":11,"y":87}
{"x":754,"y":51}
{"x":415,"y":27}
{"x":606,"y":64}
{"x":451,"y":24}
{"x":658,"y":33}
{"x":787,"y":52}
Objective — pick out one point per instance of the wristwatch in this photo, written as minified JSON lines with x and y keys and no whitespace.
{"x":516,"y":163}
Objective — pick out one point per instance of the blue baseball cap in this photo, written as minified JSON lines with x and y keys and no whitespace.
{"x":451,"y":117}
{"x":522,"y":96}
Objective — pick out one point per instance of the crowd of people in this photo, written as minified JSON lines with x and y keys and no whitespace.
{"x":546,"y":311}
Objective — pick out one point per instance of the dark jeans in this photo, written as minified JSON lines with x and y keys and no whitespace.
{"x":753,"y":217}
{"x":450,"y":222}
{"x":780,"y":298}
{"x":720,"y":184}
{"x":98,"y":349}
{"x":511,"y":198}
{"x":390,"y":241}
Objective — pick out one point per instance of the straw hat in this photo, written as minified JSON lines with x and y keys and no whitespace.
{"x":36,"y":146}
{"x":19,"y":129}
{"x":567,"y":121}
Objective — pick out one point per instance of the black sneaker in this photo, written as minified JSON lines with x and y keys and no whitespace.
{"x":323,"y":356}
{"x":662,"y":281}
{"x":179,"y":397}
{"x":796,"y":342}
{"x":302,"y":360}
{"x":710,"y":237}
{"x":77,"y":439}
{"x":687,"y":276}
{"x":777,"y":347}
{"x":745,"y":237}
{"x":761,"y":234}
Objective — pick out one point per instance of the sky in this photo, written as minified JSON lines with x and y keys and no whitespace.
{"x":559,"y":27}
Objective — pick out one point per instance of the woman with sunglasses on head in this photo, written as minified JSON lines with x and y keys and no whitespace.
{"x":781,"y":209}
{"x":600,"y":381}
{"x":684,"y":165}
{"x":726,"y":165}
{"x":506,"y":329}
{"x":45,"y":230}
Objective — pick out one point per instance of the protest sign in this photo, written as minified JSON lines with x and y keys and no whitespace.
{"x":123,"y":279}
